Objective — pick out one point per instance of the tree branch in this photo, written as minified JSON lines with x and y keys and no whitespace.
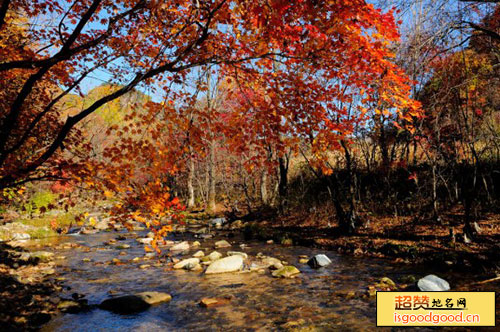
{"x":9,"y":122}
{"x":67,"y":52}
{"x":78,"y":29}
{"x":488,"y":32}
{"x":483,"y":1}
{"x":47,"y":109}
{"x":3,"y":11}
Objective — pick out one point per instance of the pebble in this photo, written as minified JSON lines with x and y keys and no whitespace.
{"x":222,"y":244}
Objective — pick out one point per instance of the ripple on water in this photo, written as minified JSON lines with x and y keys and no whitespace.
{"x":258,"y":301}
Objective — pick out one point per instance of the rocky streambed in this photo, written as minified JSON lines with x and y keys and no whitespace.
{"x":106,"y":281}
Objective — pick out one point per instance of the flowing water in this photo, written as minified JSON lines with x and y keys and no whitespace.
{"x":258,"y":301}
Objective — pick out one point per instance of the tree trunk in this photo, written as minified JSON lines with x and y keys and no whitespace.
{"x":435,"y":207}
{"x":263,"y":188}
{"x":211,"y":178}
{"x":345,"y":224}
{"x":353,"y":213}
{"x":283,"y":182}
{"x":190,"y":186}
{"x":383,"y":147}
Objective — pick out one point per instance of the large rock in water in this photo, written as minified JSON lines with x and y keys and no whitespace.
{"x":213,"y":256}
{"x":242,"y":254}
{"x":319,"y":261}
{"x":286,"y":272}
{"x":226,"y":264}
{"x":432,"y":283}
{"x":271,"y":263}
{"x":129,"y":304}
{"x":199,"y":254}
{"x":187,"y":264}
{"x":180,"y":246}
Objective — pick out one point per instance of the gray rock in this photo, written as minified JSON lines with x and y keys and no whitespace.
{"x":237,"y":224}
{"x":101,"y":225}
{"x":319,"y":261}
{"x":199,"y":254}
{"x":145,"y":240}
{"x":20,"y":236}
{"x":272,"y":263}
{"x":205,"y":236}
{"x":118,"y":226}
{"x":432,"y":283}
{"x":153,"y":298}
{"x":214,"y":255}
{"x":128,"y":304}
{"x":242,"y":254}
{"x":88,"y":231}
{"x":180,"y":246}
{"x":187,"y":264}
{"x":222,"y":244}
{"x":25,"y":257}
{"x":256,"y":267}
{"x":218,"y":221}
{"x":202,"y":230}
{"x":286,"y":272}
{"x":226,"y":264}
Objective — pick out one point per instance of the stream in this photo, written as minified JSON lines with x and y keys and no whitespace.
{"x":258,"y":301}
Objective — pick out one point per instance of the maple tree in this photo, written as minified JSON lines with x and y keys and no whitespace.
{"x":308,"y":58}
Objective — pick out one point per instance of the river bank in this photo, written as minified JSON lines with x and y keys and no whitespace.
{"x":402,"y":240}
{"x":28,"y":296}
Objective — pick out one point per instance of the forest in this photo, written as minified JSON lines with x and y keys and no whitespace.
{"x":244,"y":165}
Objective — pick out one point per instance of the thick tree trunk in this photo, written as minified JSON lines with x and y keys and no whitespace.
{"x":343,"y":219}
{"x":353,"y":213}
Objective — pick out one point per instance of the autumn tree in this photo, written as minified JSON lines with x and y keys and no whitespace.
{"x":461,"y":107}
{"x":328,"y":52}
